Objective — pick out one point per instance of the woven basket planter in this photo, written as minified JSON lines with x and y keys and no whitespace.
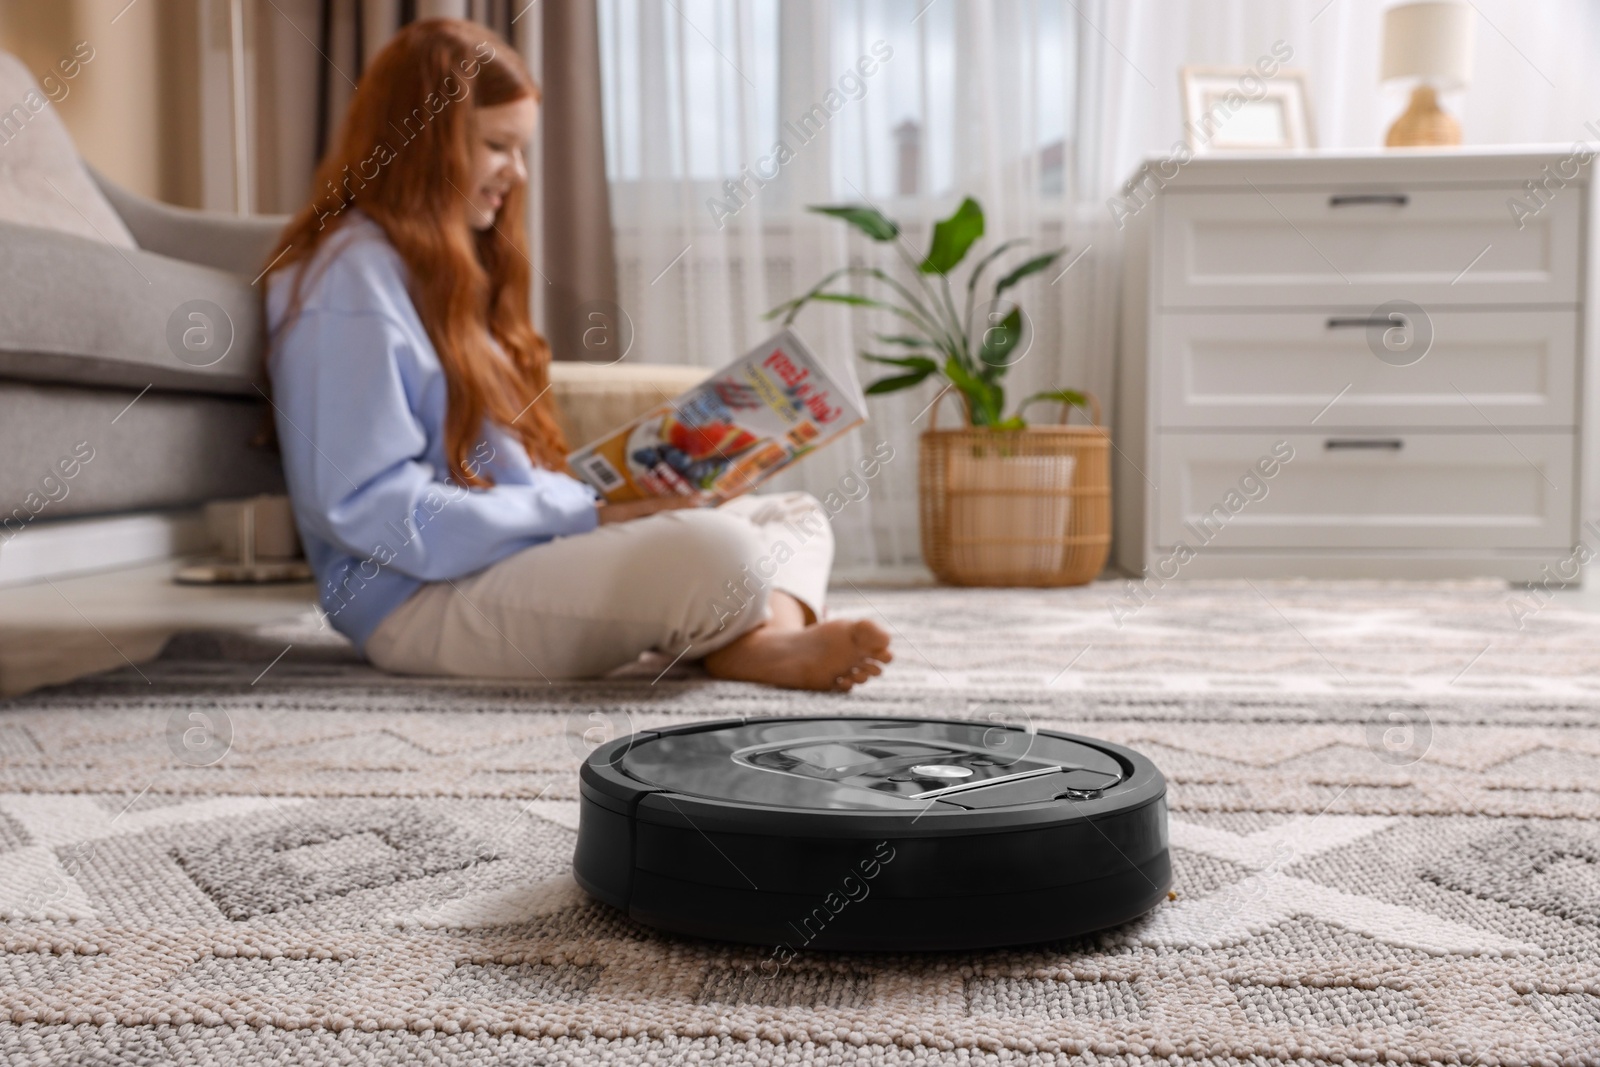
{"x":1016,"y":507}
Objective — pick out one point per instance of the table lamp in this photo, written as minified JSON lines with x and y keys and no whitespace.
{"x":1429,"y":41}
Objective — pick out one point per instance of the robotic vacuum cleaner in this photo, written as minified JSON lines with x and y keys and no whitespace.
{"x":872,"y":833}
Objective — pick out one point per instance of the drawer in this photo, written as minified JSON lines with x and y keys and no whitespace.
{"x":1432,"y":246}
{"x":1414,"y":490}
{"x":1503,"y":369}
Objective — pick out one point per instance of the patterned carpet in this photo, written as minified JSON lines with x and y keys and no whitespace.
{"x":1386,"y":828}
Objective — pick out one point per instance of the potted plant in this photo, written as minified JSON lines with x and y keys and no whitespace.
{"x":1002,"y":502}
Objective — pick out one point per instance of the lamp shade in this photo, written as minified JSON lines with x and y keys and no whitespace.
{"x":1431,"y":41}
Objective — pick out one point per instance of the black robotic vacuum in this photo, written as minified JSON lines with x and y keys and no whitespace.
{"x":872,"y":833}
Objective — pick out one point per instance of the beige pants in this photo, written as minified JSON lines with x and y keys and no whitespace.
{"x":682,"y":583}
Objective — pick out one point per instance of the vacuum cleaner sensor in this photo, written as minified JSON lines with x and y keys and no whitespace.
{"x":872,"y":833}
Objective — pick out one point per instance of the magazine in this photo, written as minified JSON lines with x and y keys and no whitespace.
{"x":728,"y":434}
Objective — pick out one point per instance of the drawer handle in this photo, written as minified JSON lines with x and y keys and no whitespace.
{"x":1362,"y":322}
{"x":1386,"y":444}
{"x":1350,"y":199}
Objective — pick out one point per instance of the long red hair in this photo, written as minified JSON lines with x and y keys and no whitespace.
{"x":403,"y":156}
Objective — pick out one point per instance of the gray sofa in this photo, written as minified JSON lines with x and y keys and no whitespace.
{"x":91,"y":277}
{"x":84,"y":330}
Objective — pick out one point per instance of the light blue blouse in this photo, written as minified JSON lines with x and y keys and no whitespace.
{"x":360,"y":405}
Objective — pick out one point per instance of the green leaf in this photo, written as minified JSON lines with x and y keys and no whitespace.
{"x":904,"y":340}
{"x":952,"y":238}
{"x":869,"y":220}
{"x":1032,"y":266}
{"x":961,"y":377}
{"x":918,"y":316}
{"x":853,"y":299}
{"x":783,"y":308}
{"x":983,"y":398}
{"x":1000,"y":340}
{"x":895,"y":383}
{"x":977,"y":271}
{"x":792,"y":307}
{"x":1015,"y":422}
{"x":918,"y":363}
{"x":1060,"y":396}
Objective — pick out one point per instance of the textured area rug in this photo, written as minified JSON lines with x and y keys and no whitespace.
{"x":1384,"y":818}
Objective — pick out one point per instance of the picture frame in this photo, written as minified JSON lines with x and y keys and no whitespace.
{"x":1241,"y":109}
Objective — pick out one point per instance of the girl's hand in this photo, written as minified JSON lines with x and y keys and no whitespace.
{"x":638,"y":509}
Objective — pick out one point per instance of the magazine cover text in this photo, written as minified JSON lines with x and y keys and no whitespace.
{"x":726,"y":435}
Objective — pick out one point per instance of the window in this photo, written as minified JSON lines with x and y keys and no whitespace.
{"x":695,"y":96}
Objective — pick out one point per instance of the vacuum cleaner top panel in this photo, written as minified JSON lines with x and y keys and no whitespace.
{"x":871,"y":764}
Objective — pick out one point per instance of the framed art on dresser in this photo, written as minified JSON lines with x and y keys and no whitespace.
{"x":1237,"y":109}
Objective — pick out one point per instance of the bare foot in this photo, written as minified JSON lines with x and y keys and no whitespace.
{"x":832,"y":656}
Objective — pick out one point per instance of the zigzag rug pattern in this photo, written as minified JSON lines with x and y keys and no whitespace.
{"x":1385,"y":819}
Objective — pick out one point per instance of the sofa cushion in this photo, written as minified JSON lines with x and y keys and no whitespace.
{"x":72,"y":451}
{"x":76,"y":310}
{"x":68,"y":451}
{"x":42,"y":180}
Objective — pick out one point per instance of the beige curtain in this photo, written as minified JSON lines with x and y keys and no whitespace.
{"x":582,"y":283}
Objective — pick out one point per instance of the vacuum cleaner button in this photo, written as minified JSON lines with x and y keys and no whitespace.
{"x":1083,"y":780}
{"x":941,"y":770}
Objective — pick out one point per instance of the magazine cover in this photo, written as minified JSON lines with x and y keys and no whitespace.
{"x":728,"y":434}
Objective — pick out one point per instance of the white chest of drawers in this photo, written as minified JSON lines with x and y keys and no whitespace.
{"x":1274,"y":418}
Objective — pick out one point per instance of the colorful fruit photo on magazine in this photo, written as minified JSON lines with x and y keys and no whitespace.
{"x":671,"y":456}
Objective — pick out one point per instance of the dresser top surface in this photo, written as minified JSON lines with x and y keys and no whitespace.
{"x":1513,"y":164}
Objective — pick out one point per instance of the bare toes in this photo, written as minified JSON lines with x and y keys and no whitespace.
{"x":869,"y":636}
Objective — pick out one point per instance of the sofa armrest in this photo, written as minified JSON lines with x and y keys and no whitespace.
{"x":209,"y":238}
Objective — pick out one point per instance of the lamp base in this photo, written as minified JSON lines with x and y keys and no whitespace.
{"x":1423,"y":123}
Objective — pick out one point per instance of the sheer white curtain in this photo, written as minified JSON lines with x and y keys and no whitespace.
{"x":899,"y":103}
{"x":1038,"y":108}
